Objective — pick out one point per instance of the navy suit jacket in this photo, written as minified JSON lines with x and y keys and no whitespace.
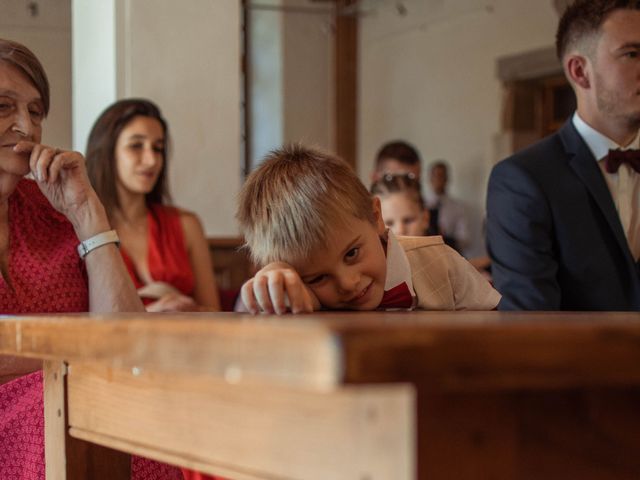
{"x":553,"y":233}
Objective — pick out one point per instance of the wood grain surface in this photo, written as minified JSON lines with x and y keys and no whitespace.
{"x":456,"y":395}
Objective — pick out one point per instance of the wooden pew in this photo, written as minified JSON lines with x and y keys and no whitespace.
{"x":370,"y":396}
{"x":231,"y":264}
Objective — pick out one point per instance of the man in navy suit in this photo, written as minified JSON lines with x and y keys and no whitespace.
{"x":563,"y":216}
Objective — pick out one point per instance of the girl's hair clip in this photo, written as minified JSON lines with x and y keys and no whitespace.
{"x":408,"y":175}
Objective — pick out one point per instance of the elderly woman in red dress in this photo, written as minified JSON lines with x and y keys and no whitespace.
{"x":58,"y":254}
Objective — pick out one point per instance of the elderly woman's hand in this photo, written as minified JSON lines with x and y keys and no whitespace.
{"x":61,"y":176}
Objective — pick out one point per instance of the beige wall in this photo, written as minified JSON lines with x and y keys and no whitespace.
{"x":265,"y":73}
{"x":429,"y":77}
{"x":95,"y":66}
{"x":48,"y":35}
{"x":185,"y":56}
{"x":292,"y":75}
{"x":308,"y":43}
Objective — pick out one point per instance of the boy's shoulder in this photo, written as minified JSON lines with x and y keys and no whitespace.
{"x":431,"y":256}
{"x":412,"y":243}
{"x":443,"y":279}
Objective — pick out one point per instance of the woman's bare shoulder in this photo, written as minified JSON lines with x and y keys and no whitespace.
{"x":191,"y":225}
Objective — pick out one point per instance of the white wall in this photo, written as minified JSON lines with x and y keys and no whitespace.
{"x":94,"y":64}
{"x":48,"y":35}
{"x":185,"y":56}
{"x":429,"y":77}
{"x":265,"y":70}
{"x":308,"y":79}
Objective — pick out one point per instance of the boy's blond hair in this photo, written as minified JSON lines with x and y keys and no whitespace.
{"x":289,"y":204}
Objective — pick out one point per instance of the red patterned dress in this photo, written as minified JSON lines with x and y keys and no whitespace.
{"x":46,"y":276}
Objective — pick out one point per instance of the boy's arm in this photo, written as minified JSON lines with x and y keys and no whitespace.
{"x":471,"y":290}
{"x":276,"y":287}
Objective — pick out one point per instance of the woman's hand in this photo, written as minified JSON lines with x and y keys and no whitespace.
{"x":173,"y":302}
{"x":276,"y":288}
{"x":60,"y":174}
{"x":62,"y":178}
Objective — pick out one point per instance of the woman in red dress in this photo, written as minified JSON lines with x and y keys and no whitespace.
{"x":41,"y":269}
{"x":164,"y":247}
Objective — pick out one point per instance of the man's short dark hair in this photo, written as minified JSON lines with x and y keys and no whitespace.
{"x":585,"y":17}
{"x":399,"y":150}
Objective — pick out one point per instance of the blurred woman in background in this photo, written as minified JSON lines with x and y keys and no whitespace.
{"x":164,"y":247}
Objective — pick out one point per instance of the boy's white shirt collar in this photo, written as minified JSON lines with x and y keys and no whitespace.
{"x":398,"y":267}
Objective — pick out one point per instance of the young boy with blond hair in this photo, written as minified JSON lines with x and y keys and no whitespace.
{"x":320,"y":239}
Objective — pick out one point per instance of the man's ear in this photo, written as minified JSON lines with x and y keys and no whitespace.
{"x":578,"y":69}
{"x":377,"y":215}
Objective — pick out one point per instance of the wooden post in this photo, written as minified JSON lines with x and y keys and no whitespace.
{"x":68,"y":458}
{"x":55,"y":426}
{"x":346,"y":75}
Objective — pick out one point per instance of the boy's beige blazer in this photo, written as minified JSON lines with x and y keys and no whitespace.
{"x":443,"y":279}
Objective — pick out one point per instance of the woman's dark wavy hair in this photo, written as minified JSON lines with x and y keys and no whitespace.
{"x":100,"y":152}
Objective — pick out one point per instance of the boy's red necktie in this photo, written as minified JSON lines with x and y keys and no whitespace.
{"x":397,"y":297}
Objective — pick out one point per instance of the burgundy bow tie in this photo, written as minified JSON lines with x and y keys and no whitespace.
{"x":397,"y":297}
{"x":617,"y":157}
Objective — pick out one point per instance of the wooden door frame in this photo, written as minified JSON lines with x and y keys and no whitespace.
{"x":346,"y":83}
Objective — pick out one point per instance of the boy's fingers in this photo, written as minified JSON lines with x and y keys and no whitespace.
{"x":296,"y":293}
{"x":249,"y":301}
{"x":308,"y":304}
{"x":307,"y":301}
{"x":313,"y":302}
{"x":271,"y":287}
{"x":276,"y":286}
{"x":261,"y":292}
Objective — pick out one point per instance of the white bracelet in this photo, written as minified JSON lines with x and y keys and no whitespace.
{"x":96,"y":241}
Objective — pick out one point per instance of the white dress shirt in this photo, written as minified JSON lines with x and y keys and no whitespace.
{"x":398,"y":268}
{"x":623,"y":185}
{"x":452,"y":218}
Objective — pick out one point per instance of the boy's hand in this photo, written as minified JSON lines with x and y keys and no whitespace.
{"x":269,"y":290}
